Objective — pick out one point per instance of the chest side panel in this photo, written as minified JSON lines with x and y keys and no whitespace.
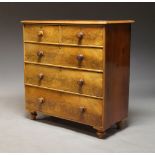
{"x":117,"y":63}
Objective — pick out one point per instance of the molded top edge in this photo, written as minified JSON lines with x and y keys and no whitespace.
{"x":95,"y":22}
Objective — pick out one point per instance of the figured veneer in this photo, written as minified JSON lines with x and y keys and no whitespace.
{"x":64,"y":79}
{"x":82,"y":35}
{"x":79,"y":57}
{"x":64,"y":105}
{"x":39,"y":33}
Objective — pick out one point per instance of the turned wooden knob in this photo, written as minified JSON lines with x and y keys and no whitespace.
{"x":41,"y":100}
{"x":41,"y":76}
{"x":80,"y":57}
{"x":81,"y":82}
{"x":40,"y":33}
{"x":82,"y":109}
{"x":80,"y":35}
{"x":40,"y":54}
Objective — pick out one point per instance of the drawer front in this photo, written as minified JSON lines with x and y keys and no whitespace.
{"x":88,"y":58}
{"x":72,"y":107}
{"x":41,"y":33}
{"x":83,"y":82}
{"x":83,"y":35}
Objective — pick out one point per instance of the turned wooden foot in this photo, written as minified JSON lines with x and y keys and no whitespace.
{"x":120,"y":125}
{"x":100,"y":134}
{"x":33,"y":115}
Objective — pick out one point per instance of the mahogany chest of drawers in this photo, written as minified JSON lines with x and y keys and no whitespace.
{"x":78,"y":70}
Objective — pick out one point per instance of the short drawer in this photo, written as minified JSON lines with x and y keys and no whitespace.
{"x":41,"y":33}
{"x":80,"y":57}
{"x":83,"y":35}
{"x":72,"y":107}
{"x":82,"y":82}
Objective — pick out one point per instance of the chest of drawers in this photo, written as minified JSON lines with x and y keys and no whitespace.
{"x":78,"y":70}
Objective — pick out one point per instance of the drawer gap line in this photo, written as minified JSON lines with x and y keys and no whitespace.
{"x":63,"y":91}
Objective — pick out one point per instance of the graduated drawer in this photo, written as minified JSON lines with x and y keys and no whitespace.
{"x":72,"y":107}
{"x":82,"y":35}
{"x":82,"y":82}
{"x":41,"y":33}
{"x":79,"y":57}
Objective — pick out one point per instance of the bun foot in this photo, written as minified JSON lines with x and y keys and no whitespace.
{"x":100,"y":134}
{"x":33,"y":115}
{"x":120,"y":125}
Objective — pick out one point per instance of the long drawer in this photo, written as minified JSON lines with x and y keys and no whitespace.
{"x":79,"y":57}
{"x":72,"y":107}
{"x":82,"y":82}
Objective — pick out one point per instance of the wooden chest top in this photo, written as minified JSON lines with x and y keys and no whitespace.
{"x":74,"y":22}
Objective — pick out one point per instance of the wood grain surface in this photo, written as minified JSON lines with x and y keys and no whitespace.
{"x":65,"y":79}
{"x":50,"y":33}
{"x":65,"y":56}
{"x":92,"y":35}
{"x":65,"y":106}
{"x":117,"y":66}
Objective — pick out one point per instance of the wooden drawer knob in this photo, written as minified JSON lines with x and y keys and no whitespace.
{"x":80,"y":35}
{"x":82,"y":109}
{"x":81,"y":82}
{"x":40,"y":54}
{"x":80,"y":57}
{"x":41,"y":76}
{"x":40,"y":33}
{"x":41,"y":100}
